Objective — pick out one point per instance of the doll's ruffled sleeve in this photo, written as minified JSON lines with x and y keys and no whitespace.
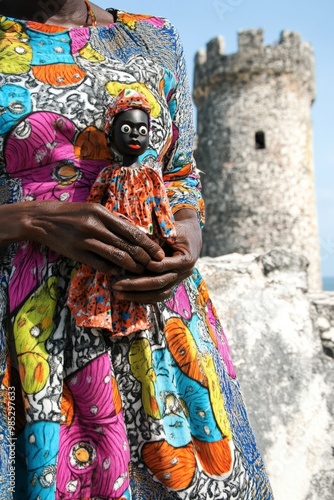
{"x":181,"y":176}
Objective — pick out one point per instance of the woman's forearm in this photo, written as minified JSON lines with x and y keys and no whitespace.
{"x":82,"y":231}
{"x":14,"y":222}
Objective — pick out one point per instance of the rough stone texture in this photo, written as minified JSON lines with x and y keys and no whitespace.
{"x":274,"y":328}
{"x":324,"y":305}
{"x":257,"y":199}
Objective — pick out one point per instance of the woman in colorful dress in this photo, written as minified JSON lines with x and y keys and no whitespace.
{"x":157,"y":414}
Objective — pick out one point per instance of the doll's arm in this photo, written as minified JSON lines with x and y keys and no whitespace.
{"x":99,"y":189}
{"x":162,"y":208}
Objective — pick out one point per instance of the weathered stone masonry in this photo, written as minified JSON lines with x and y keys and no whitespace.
{"x":275,"y":328}
{"x":255,"y":147}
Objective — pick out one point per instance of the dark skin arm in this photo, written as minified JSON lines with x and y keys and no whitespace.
{"x":89,"y":233}
{"x":84,"y":232}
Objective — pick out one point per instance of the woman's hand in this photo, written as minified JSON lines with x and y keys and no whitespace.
{"x":171,"y":270}
{"x":84,"y":232}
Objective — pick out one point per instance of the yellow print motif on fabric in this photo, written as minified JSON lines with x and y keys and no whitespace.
{"x":216,"y":396}
{"x":32,"y":327}
{"x":140,"y":358}
{"x":90,"y":54}
{"x":15,"y":51}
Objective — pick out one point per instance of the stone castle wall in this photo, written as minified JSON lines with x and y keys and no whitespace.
{"x":256,"y":198}
{"x":281,"y":338}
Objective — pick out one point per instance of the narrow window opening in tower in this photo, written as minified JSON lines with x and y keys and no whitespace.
{"x":260,"y":140}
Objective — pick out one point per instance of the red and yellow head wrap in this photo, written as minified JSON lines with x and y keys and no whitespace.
{"x":125,"y":100}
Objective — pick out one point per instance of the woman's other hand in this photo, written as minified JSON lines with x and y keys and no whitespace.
{"x":84,"y":232}
{"x":167,"y":273}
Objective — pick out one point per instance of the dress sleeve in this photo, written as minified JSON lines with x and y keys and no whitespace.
{"x":180,"y":174}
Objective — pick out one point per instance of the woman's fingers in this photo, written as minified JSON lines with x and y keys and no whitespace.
{"x":125,"y":256}
{"x":179,"y":263}
{"x":162,"y":276}
{"x":147,"y":290}
{"x":132,"y":239}
{"x":144,"y":283}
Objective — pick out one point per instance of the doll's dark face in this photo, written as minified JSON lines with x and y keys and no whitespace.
{"x":130,"y":134}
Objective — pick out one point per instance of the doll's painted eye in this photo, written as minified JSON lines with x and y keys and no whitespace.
{"x":126,"y":129}
{"x":143,"y":130}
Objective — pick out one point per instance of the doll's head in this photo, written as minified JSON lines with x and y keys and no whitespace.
{"x":128,"y":124}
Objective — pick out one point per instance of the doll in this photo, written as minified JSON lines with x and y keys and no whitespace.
{"x":136,"y":192}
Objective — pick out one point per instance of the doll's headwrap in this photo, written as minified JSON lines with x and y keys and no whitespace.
{"x":125,"y":100}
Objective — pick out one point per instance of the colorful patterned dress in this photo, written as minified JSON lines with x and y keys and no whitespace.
{"x":154,"y":415}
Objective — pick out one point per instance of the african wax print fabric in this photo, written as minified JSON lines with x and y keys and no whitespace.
{"x":157,"y":414}
{"x":138,"y":194}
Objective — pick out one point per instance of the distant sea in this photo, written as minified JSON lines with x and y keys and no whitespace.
{"x":328,"y":283}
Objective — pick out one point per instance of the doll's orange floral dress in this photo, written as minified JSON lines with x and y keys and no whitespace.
{"x":137,"y":193}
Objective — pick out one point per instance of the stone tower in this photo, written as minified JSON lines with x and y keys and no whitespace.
{"x":255,"y":147}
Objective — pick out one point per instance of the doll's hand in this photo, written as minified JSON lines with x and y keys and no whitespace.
{"x":171,"y":270}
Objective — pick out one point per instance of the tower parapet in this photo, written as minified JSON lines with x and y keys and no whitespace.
{"x":255,"y":146}
{"x":290,"y":55}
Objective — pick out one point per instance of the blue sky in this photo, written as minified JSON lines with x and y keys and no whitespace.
{"x":199,"y":22}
